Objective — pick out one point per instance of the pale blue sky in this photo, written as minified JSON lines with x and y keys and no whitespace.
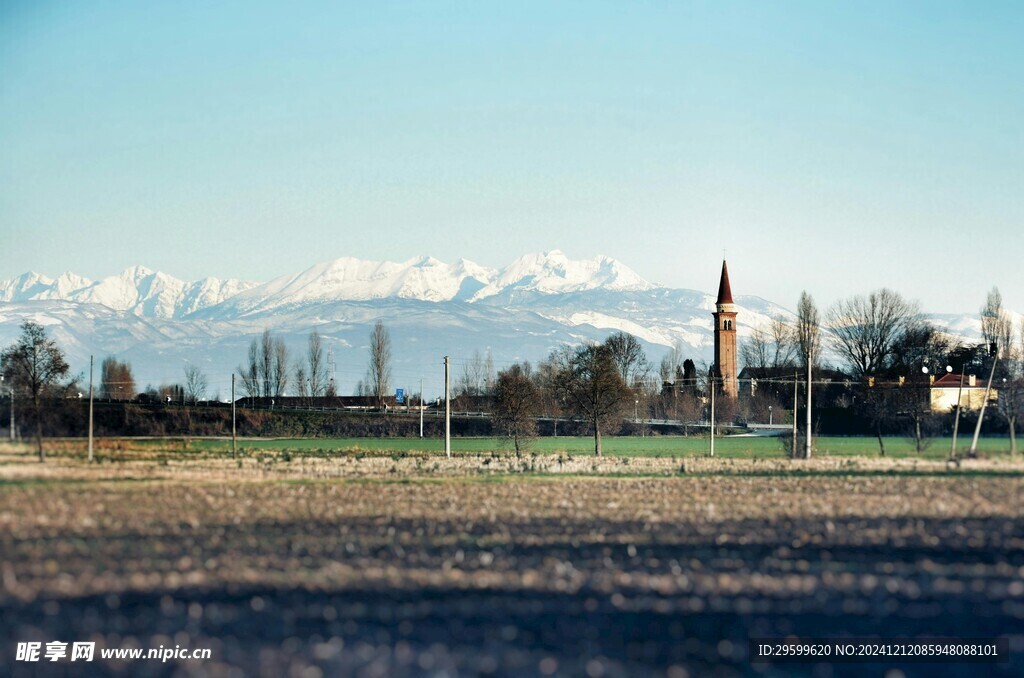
{"x":833,"y":147}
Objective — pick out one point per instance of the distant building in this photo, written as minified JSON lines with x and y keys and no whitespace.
{"x":317,"y":402}
{"x":946,"y":389}
{"x":725,"y":337}
{"x":831,"y":385}
{"x":770,"y":379}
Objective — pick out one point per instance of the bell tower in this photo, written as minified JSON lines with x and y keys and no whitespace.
{"x":725,"y":337}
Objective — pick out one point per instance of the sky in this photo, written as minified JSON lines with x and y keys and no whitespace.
{"x":828,"y":147}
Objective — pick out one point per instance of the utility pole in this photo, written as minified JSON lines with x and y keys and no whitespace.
{"x":956,"y":421}
{"x":981,"y":415}
{"x":421,"y":407}
{"x":810,"y":362}
{"x":332,"y":368}
{"x":712,"y":382}
{"x":90,"y":409}
{"x":447,"y":413}
{"x":234,"y":440}
{"x":11,"y":391}
{"x":796,"y":404}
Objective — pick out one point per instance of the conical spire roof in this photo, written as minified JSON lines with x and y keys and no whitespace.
{"x":724,"y":290}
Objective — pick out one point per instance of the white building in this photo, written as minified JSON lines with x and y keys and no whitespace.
{"x":946,"y":389}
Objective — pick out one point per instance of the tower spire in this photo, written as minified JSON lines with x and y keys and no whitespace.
{"x":724,"y":289}
{"x":725,"y":337}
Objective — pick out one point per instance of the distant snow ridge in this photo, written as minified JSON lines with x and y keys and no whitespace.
{"x":152,"y":294}
{"x":26,"y":287}
{"x":137,"y":290}
{"x":554,"y":273}
{"x":428,"y":279}
{"x":349,"y":279}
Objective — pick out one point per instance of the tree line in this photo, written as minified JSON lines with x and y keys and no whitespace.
{"x":877,"y":339}
{"x":881,"y":340}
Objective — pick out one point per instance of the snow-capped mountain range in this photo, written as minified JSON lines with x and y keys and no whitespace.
{"x":432,"y":308}
{"x":151,"y":294}
{"x":137,"y":290}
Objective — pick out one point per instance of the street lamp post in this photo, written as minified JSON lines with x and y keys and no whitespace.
{"x":712,"y":417}
{"x":769,"y":415}
{"x":984,"y":403}
{"x":956,"y":421}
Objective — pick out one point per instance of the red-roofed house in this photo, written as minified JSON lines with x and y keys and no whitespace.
{"x":945,"y":389}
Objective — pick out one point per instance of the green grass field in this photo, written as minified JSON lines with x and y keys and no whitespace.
{"x":659,"y":446}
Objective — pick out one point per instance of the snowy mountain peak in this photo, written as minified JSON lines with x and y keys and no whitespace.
{"x":136,"y":273}
{"x":555,"y":273}
{"x":426,"y":262}
{"x":25,"y":287}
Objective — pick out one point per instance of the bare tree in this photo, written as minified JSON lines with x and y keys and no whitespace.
{"x":866,"y":328}
{"x":629,"y":357}
{"x":922,"y":344}
{"x":34,"y":365}
{"x":116,"y":380}
{"x":1011,"y":405}
{"x":672,"y":362}
{"x":279,"y":372}
{"x":489,"y":377}
{"x":755,"y":351}
{"x":265,"y":374}
{"x":379,"y":376}
{"x":196,"y":383}
{"x":808,"y":330}
{"x":317,"y":366}
{"x":471,"y":382}
{"x":515,"y":405}
{"x":1011,"y":396}
{"x":880,"y":406}
{"x":808,"y":338}
{"x":770,"y":347}
{"x":590,"y":384}
{"x":545,"y":379}
{"x":914,"y":402}
{"x":250,"y":371}
{"x":302,"y":382}
{"x":361,"y":389}
{"x":783,"y":343}
{"x":996,"y":325}
{"x":266,"y":364}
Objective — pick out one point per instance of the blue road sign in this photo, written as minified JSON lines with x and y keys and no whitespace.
{"x":399,"y":395}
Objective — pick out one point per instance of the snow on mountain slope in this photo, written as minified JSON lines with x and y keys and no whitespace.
{"x":209,"y":292}
{"x":65,"y":286}
{"x":554,"y":273}
{"x":25,"y":287}
{"x":152,"y":294}
{"x":968,"y":327}
{"x":660,"y":317}
{"x":137,"y":290}
{"x":602,"y":321}
{"x":350,"y":279}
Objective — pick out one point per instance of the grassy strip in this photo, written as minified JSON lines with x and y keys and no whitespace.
{"x":660,"y":446}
